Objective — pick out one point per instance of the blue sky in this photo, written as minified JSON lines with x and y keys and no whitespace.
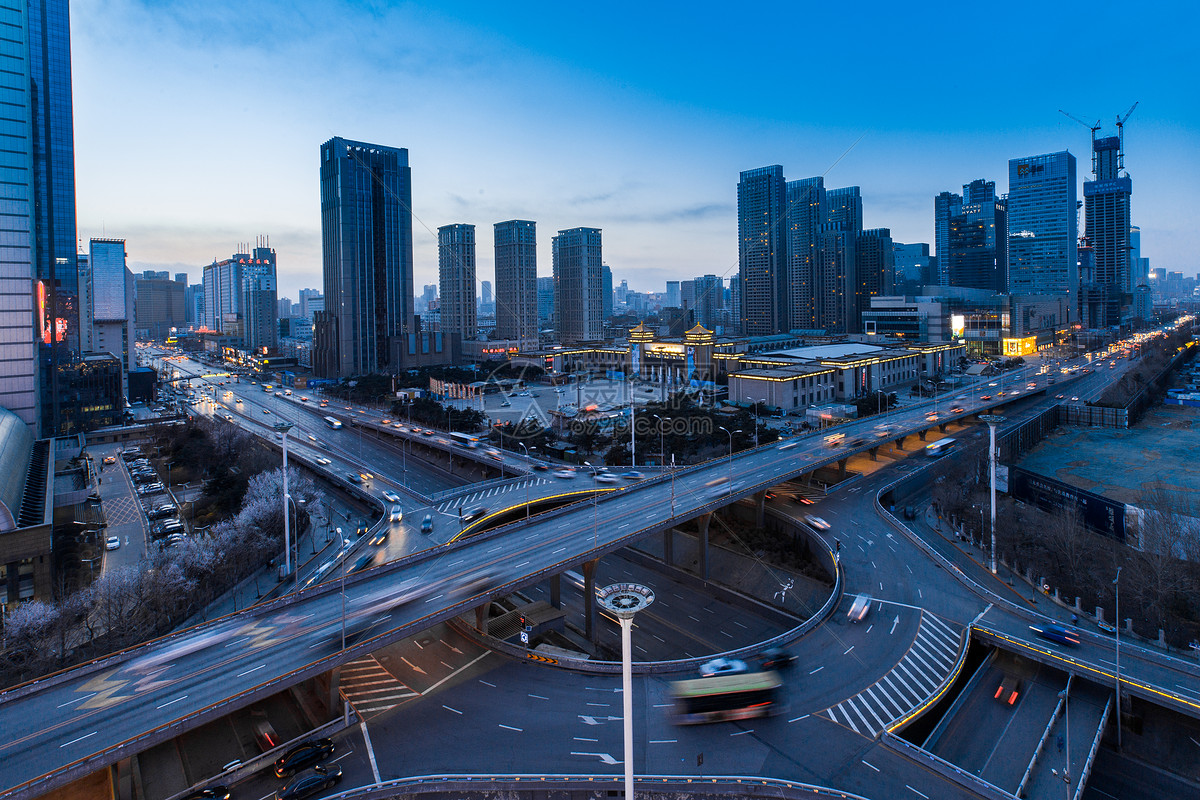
{"x":197,"y":124}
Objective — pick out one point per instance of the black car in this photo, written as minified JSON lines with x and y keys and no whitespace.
{"x":161,"y":512}
{"x":303,"y":755}
{"x":776,"y":658}
{"x":910,"y":512}
{"x":211,"y":793}
{"x":364,"y":562}
{"x":319,"y":778}
{"x":474,"y":514}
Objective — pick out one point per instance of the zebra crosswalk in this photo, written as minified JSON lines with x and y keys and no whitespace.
{"x":370,"y":688}
{"x":466,"y":501}
{"x":929,"y":659}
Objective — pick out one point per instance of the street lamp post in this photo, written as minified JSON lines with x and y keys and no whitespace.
{"x":1117,"y":584}
{"x":662,"y":446}
{"x":283,"y":428}
{"x":1066,"y":698}
{"x":731,"y":433}
{"x":632,"y":433}
{"x":992,"y":421}
{"x":595,"y":506}
{"x":624,"y":600}
{"x":526,"y":449}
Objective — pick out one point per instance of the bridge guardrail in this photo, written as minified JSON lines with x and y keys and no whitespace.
{"x":747,"y":786}
{"x":942,"y":767}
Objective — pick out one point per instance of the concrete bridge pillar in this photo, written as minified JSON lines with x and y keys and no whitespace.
{"x":702,"y":523}
{"x":481,"y":618}
{"x":760,"y":508}
{"x":589,"y":601}
{"x":921,"y":434}
{"x":900,"y":442}
{"x":874,"y":453}
{"x":942,"y":427}
{"x":669,"y":546}
{"x":556,"y":591}
{"x":842,"y":468}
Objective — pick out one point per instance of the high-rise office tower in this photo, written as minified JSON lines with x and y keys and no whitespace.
{"x":1043,"y":229}
{"x":805,"y":215}
{"x":1106,"y":201}
{"x":516,"y":279}
{"x":193,"y":301}
{"x":111,"y":314}
{"x":39,"y":271}
{"x":367,"y":257}
{"x":836,"y":285}
{"x":709,"y":293}
{"x":485,"y":294}
{"x":914,"y":267}
{"x":260,"y":309}
{"x":456,"y":280}
{"x":606,"y":289}
{"x":578,"y":285}
{"x":181,"y":277}
{"x":942,"y":205}
{"x":672,"y":298}
{"x":158,"y":306}
{"x":545,"y":301}
{"x":762,"y":251}
{"x":976,"y":247}
{"x":285,"y":307}
{"x":876,"y":268}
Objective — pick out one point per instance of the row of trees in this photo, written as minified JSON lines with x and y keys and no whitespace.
{"x":128,"y":605}
{"x":1160,"y":565}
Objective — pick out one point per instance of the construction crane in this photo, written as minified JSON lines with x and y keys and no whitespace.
{"x":1121,"y":135}
{"x":1092,"y":128}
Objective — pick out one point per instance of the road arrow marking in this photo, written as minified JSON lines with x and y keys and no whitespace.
{"x":452,"y":647}
{"x":895,"y":622}
{"x":412,"y":666}
{"x":588,"y":720}
{"x":604,"y":757}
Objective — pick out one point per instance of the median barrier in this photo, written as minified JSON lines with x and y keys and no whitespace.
{"x":944,"y":768}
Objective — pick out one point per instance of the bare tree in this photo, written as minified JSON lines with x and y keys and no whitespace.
{"x":1070,"y":547}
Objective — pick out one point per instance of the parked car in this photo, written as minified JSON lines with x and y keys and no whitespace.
{"x":319,"y":778}
{"x":162,"y":512}
{"x":303,"y":755}
{"x":150,"y":488}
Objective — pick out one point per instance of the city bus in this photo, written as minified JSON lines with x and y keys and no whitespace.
{"x":939,"y":448}
{"x":725,"y":697}
{"x":333,"y":422}
{"x":468,"y":440}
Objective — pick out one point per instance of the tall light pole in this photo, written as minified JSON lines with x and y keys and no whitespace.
{"x":992,"y":421}
{"x":731,"y":433}
{"x":624,"y":600}
{"x":1066,"y":698}
{"x":632,"y":433}
{"x":1117,"y":583}
{"x":662,"y":441}
{"x":283,"y":428}
{"x":526,"y":449}
{"x":595,"y":506}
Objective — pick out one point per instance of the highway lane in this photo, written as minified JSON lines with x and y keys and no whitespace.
{"x":556,"y":544}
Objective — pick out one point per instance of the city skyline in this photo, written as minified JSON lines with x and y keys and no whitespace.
{"x":649,"y":147}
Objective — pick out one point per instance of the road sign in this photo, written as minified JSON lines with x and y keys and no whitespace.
{"x":524,"y":637}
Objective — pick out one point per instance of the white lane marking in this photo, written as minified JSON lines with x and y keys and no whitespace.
{"x":663,"y":705}
{"x":848,"y":651}
{"x":511,"y":728}
{"x":539,"y":697}
{"x":522,"y":564}
{"x":76,"y":700}
{"x":584,"y":739}
{"x":908,"y":568}
{"x":906,"y":786}
{"x":872,"y":766}
{"x":172,"y":702}
{"x":872,"y":625}
{"x":559,"y":550}
{"x":247,"y":672}
{"x":455,"y":710}
{"x":663,"y":741}
{"x":815,"y":671}
{"x":739,"y":733}
{"x":80,"y":739}
{"x":797,"y":719}
{"x":599,"y":705}
{"x":485,"y":683}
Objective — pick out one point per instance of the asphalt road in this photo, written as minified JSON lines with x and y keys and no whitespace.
{"x":175,"y":680}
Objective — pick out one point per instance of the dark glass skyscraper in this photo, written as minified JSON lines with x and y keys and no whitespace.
{"x":516,"y":279}
{"x":367,"y":255}
{"x":1106,"y":200}
{"x":37,"y":218}
{"x":456,"y":280}
{"x":1043,"y":229}
{"x":762,"y":251}
{"x":976,"y":244}
{"x":805,"y":215}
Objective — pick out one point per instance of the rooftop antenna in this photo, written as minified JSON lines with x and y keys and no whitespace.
{"x":1093,"y":129}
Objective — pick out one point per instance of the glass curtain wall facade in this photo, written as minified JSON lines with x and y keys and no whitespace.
{"x":762,"y":251}
{"x":578,"y":285}
{"x":367,"y":255}
{"x":1043,"y":228}
{"x":805,"y":215}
